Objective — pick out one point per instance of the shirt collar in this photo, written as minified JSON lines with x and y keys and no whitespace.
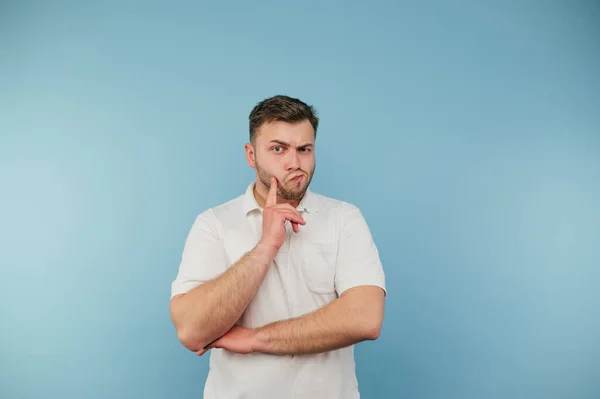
{"x":308,"y":203}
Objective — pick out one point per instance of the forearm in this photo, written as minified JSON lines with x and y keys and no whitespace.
{"x":209,"y":310}
{"x":343,"y":322}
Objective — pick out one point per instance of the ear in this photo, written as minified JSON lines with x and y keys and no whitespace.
{"x":250,"y":155}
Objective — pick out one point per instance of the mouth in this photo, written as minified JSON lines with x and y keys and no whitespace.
{"x":297,"y":177}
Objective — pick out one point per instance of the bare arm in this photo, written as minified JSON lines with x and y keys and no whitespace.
{"x":206,"y":312}
{"x":355,"y":316}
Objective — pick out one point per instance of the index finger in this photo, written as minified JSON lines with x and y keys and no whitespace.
{"x":272,"y":196}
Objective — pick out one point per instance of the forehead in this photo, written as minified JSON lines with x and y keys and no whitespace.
{"x":294,"y":133}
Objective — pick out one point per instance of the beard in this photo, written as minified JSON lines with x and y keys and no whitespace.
{"x":289,"y":191}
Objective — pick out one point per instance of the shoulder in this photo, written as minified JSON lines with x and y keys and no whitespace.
{"x":215,"y":216}
{"x":233,"y":207}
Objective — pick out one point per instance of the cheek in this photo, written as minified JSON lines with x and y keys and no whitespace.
{"x":308,"y":164}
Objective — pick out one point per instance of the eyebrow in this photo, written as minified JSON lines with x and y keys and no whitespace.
{"x":288,"y":145}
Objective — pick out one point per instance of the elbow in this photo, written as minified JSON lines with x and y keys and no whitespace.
{"x":189,"y":336}
{"x":370,"y":325}
{"x":189,"y":340}
{"x":367,"y":326}
{"x":367,"y":304}
{"x":372,"y":332}
{"x":372,"y":328}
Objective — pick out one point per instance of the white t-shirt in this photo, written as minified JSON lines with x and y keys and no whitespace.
{"x":333,"y":252}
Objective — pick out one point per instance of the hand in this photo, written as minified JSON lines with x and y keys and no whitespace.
{"x":238,"y":340}
{"x":274,"y":218}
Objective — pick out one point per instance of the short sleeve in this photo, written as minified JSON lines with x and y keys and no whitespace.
{"x":203,"y":256}
{"x":358,"y":261}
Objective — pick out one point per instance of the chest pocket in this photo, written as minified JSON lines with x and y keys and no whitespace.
{"x":318,"y":266}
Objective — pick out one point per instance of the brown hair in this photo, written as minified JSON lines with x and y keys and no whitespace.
{"x":284,"y":109}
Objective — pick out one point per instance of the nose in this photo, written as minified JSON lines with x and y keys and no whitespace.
{"x":293,"y":161}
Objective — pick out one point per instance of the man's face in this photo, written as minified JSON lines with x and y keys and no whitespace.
{"x":285,"y":151}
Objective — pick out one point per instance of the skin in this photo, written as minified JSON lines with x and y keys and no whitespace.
{"x":209,"y":310}
{"x":284,"y":151}
{"x":354,"y":317}
{"x":284,"y":159}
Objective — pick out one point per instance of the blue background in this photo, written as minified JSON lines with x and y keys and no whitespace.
{"x":467,"y":132}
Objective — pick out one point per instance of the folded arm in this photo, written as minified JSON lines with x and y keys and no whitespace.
{"x":356,"y":316}
{"x":208,"y":311}
{"x":207,"y":297}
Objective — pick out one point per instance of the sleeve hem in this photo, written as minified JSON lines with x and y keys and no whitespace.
{"x":346,"y":286}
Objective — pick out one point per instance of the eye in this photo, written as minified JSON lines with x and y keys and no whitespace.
{"x":305,"y":149}
{"x":276,"y":147}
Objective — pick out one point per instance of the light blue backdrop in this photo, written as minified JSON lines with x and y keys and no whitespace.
{"x":468,"y":133}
